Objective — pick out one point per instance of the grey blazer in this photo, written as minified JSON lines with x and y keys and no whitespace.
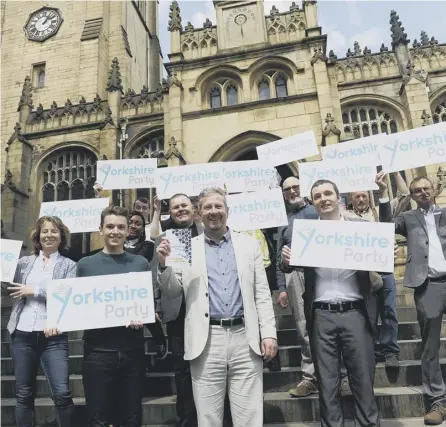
{"x":412,"y":226}
{"x":64,"y":268}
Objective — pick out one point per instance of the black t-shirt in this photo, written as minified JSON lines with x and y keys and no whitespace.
{"x":118,"y":338}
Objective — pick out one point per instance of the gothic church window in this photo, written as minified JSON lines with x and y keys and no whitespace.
{"x":215,"y":96}
{"x":264,"y":92}
{"x":281,"y":89}
{"x":231,"y":95}
{"x":440,"y":112}
{"x":38,"y":76}
{"x":223,"y":92}
{"x":41,"y":81}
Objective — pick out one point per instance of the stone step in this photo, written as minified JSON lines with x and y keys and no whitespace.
{"x":393,"y":402}
{"x":163,"y":384}
{"x":397,"y":422}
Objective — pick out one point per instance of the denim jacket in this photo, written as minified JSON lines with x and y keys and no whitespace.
{"x":64,"y":268}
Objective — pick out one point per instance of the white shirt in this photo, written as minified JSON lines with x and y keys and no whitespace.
{"x":33,"y":315}
{"x":336,"y":285}
{"x":437,"y":261}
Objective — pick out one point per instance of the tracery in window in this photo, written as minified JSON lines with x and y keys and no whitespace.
{"x":281,"y":87}
{"x":215,"y":97}
{"x":231,"y":95}
{"x":439,"y":114}
{"x":368,"y":120}
{"x":264,"y":92}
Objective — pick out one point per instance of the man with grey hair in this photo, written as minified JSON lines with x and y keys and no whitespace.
{"x":229,"y":322}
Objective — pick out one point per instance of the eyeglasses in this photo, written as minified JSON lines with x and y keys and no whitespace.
{"x":421,"y":189}
{"x":140,"y":208}
{"x":295,"y":188}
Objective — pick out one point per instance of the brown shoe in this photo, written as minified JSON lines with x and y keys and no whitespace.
{"x":436,"y":415}
{"x":304,"y":388}
{"x":345,"y":388}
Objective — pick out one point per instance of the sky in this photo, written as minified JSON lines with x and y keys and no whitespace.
{"x":344,"y":22}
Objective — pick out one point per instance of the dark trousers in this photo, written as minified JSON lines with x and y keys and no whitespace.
{"x":186,"y":412}
{"x":430,"y":302}
{"x":157,"y":332}
{"x":346,"y":335}
{"x":113,"y":383}
{"x":387,"y":341}
{"x":28,"y":350}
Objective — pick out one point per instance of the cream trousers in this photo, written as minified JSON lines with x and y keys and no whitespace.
{"x":228,"y":363}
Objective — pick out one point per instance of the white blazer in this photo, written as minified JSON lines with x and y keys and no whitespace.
{"x":258,"y":308}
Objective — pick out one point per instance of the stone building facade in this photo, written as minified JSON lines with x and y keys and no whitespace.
{"x":250,"y":79}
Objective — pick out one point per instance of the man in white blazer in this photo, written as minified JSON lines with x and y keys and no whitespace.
{"x":229,"y":322}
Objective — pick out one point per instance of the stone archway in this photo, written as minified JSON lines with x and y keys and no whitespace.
{"x":243,"y":147}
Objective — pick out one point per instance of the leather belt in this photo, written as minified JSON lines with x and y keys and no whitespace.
{"x":228,"y":322}
{"x":339,"y":308}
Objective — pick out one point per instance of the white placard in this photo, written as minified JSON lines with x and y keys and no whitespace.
{"x":127,"y":173}
{"x":414,"y":148}
{"x":188,"y":179}
{"x":248,"y":175}
{"x":288,"y":149}
{"x":80,"y":216}
{"x":10,"y":250}
{"x":180,"y":248}
{"x":100,"y":302}
{"x":355,"y":150}
{"x":259,"y":210}
{"x":349,"y":176}
{"x":351,"y":245}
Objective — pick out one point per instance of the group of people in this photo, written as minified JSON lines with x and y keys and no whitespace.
{"x":219,"y":312}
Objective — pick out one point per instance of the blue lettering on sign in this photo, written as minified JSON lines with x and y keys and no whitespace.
{"x":7,"y":256}
{"x":339,"y":153}
{"x":124,"y":171}
{"x":356,"y":240}
{"x":255,"y":206}
{"x":71,"y":212}
{"x":399,"y":146}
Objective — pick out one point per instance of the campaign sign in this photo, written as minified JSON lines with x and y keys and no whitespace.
{"x":289,"y":149}
{"x":10,"y":250}
{"x":258,"y":210}
{"x":414,"y":148}
{"x":351,"y":245}
{"x":355,"y":150}
{"x":249,"y":175}
{"x":349,"y":176}
{"x":100,"y":302}
{"x":78,"y":215}
{"x":188,"y":179}
{"x":127,"y":173}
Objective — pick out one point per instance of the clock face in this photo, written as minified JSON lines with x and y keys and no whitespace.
{"x":43,"y":24}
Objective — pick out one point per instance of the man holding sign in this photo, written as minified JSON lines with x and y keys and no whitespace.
{"x":340,"y":309}
{"x":113,"y":357}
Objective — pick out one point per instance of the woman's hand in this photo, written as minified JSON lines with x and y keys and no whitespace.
{"x":18,"y":290}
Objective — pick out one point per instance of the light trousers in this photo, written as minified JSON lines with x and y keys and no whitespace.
{"x":228,"y":363}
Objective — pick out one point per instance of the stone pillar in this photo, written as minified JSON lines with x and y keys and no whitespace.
{"x":175,"y":27}
{"x":310,"y":8}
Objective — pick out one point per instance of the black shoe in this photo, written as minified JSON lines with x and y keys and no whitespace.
{"x":392,"y":361}
{"x":163,"y":350}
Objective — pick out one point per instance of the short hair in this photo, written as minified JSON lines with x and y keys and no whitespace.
{"x":114,"y":210}
{"x":320,"y":182}
{"x":418,"y":179}
{"x":178,"y":195}
{"x":58,"y":223}
{"x":143,"y":200}
{"x":143,"y":220}
{"x":210,"y":191}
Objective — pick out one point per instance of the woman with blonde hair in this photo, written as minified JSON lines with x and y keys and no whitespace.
{"x":31,"y":343}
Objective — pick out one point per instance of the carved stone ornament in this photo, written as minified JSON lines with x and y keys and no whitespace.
{"x":426,"y":117}
{"x":383,"y":48}
{"x":39,"y":113}
{"x":173,"y":81}
{"x":332,"y":57}
{"x":68,"y":108}
{"x":349,"y":53}
{"x":96,"y":103}
{"x":8,"y":178}
{"x":416,"y":44}
{"x":357,"y":49}
{"x":419,"y":75}
{"x":207,"y":23}
{"x":330,"y":126}
{"x":53,"y":109}
{"x":424,"y":38}
{"x":144,"y":93}
{"x":108,"y":119}
{"x":367,"y":51}
{"x":189,"y":27}
{"x":26,"y":97}
{"x":114,"y":82}
{"x":399,"y":37}
{"x":318,"y":55}
{"x":173,"y":150}
{"x":294,"y":7}
{"x":82,"y":107}
{"x":18,"y":135}
{"x":274,"y":11}
{"x":175,"y":18}
{"x":165,"y":85}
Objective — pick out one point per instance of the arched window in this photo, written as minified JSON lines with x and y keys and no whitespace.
{"x":264,"y":92}
{"x":231,"y":95}
{"x":41,"y":82}
{"x":440,"y":112}
{"x":281,"y":88}
{"x":215,"y":96}
{"x":147,"y":150}
{"x":70,"y":175}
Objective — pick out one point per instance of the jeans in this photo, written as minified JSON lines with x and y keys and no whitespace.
{"x":186,"y":412}
{"x":113,"y":386}
{"x":388,"y":334}
{"x":28,"y":349}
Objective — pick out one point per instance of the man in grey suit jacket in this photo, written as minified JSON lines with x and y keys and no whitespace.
{"x":425,"y":231}
{"x":340,"y":307}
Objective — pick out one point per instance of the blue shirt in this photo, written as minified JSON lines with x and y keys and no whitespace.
{"x":225,"y":296}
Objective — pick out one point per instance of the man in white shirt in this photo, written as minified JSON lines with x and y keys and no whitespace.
{"x":425,"y":231}
{"x":340,"y":308}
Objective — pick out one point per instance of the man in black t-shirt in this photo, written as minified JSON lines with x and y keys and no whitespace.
{"x":113,"y":366}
